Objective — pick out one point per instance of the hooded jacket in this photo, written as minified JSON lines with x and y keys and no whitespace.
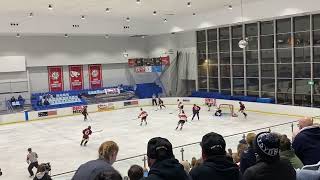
{"x":247,"y":159}
{"x":168,"y":169}
{"x":89,"y":170}
{"x":306,"y":145}
{"x":42,"y":176}
{"x":216,"y":168}
{"x":277,"y":170}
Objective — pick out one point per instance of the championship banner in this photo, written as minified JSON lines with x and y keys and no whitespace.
{"x":76,"y":77}
{"x":95,"y":76}
{"x":55,"y":78}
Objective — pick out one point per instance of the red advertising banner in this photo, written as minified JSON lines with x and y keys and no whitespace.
{"x":95,"y":76}
{"x":55,"y":78}
{"x":165,"y":60}
{"x":76,"y":77}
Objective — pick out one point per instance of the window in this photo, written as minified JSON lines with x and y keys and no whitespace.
{"x":201,"y":36}
{"x":224,"y":58}
{"x":212,"y":34}
{"x":225,"y":92}
{"x":224,"y":33}
{"x":225,"y":83}
{"x":267,"y":85}
{"x":267,"y":56}
{"x":316,"y":70}
{"x":316,"y":38}
{"x":252,"y":57}
{"x":213,"y":58}
{"x":267,"y":70}
{"x":225,"y":70}
{"x":251,"y":29}
{"x":284,"y":85}
{"x":237,"y":58}
{"x":302,"y":86}
{"x":252,"y":43}
{"x":202,"y":71}
{"x":238,"y":70}
{"x":202,"y":48}
{"x":213,"y":84}
{"x":284,"y":25}
{"x":224,"y":46}
{"x":302,"y":70}
{"x":301,"y":39}
{"x":252,"y":71}
{"x":237,"y":31}
{"x":302,"y":54}
{"x":316,"y":86}
{"x":301,"y":23}
{"x":266,"y":27}
{"x":238,"y":84}
{"x":212,"y":47}
{"x":284,"y":56}
{"x":202,"y":83}
{"x":252,"y":84}
{"x":316,"y":21}
{"x":266,"y":42}
{"x":235,"y":45}
{"x":316,"y":54}
{"x":213,"y":71}
{"x":284,"y":71}
{"x":284,"y":40}
{"x":201,"y":59}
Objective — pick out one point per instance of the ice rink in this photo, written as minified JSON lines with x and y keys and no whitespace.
{"x":58,"y":140}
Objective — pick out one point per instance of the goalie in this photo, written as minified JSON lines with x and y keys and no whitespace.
{"x":218,"y":112}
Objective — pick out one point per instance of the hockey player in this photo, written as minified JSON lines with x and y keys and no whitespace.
{"x":218,"y":112}
{"x":242,"y":109}
{"x":154,"y":100}
{"x":210,"y":103}
{"x":161,"y":103}
{"x":195,"y":110}
{"x":32,"y":160}
{"x":86,"y":133}
{"x":85,"y":113}
{"x":143,"y":115}
{"x":183,"y":118}
{"x":180,"y":106}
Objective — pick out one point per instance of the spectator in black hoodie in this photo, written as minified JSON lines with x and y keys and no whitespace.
{"x":216,"y":165}
{"x":269,"y":166}
{"x":306,"y":143}
{"x":163,"y":165}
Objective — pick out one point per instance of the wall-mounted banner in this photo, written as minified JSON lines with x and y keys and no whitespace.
{"x":77,"y":109}
{"x":106,"y":107}
{"x":95,"y":76}
{"x":76,"y":77}
{"x":55,"y":78}
{"x":165,"y":61}
{"x":131,"y":103}
{"x":47,"y":113}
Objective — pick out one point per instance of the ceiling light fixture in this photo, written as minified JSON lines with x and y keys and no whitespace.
{"x":66,"y":35}
{"x":107,"y":10}
{"x":243,"y":43}
{"x":83,"y":17}
{"x":31,"y":14}
{"x":193,"y":14}
{"x":18,"y":35}
{"x":165,"y":20}
{"x":106,"y":36}
{"x":138,"y":2}
{"x":50,"y":7}
{"x":128,"y":19}
{"x":189,"y":4}
{"x":154,"y":13}
{"x":230,"y":7}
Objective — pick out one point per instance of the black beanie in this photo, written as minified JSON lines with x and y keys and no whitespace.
{"x":267,"y":146}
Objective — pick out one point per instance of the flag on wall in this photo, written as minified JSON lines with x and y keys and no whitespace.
{"x":55,"y":78}
{"x":76,"y":77}
{"x":95,"y":76}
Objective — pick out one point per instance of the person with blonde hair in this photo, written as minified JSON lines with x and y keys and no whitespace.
{"x":108,"y":152}
{"x":248,"y":157}
{"x":186,"y":166}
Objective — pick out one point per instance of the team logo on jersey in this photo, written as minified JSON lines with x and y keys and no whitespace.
{"x":95,"y":73}
{"x":55,"y":75}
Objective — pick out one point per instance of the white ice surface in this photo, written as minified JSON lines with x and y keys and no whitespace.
{"x":57,"y":140}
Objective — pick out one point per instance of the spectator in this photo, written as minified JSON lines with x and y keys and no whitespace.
{"x":286,"y":152}
{"x":163,"y":165}
{"x":306,"y":143}
{"x":107,"y":156}
{"x":242,"y":146}
{"x":20,"y":98}
{"x":193,"y":162}
{"x":42,"y":173}
{"x":46,"y":102}
{"x":248,"y":157}
{"x":32,"y":160}
{"x":216,"y":165}
{"x":269,"y":166}
{"x":135,"y":172}
{"x":108,"y":175}
{"x":13,"y":99}
{"x":186,"y":166}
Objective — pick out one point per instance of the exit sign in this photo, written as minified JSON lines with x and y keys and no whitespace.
{"x":311,"y":82}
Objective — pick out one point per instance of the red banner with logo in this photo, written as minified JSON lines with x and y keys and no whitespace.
{"x":76,"y":77}
{"x":55,"y":78}
{"x":95,"y":76}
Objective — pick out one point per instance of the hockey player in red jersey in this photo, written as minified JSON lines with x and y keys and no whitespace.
{"x":143,"y":115}
{"x":85,"y":113}
{"x":183,"y":118}
{"x":86,"y":133}
{"x":195,"y":110}
{"x":242,"y":109}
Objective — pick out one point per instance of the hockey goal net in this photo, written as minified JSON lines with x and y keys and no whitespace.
{"x":228,"y":107}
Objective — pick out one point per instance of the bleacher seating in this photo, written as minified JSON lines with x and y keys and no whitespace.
{"x":146,"y":90}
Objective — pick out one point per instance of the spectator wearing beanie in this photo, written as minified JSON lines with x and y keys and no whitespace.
{"x":135,"y":172}
{"x":269,"y":166}
{"x":107,"y":156}
{"x":286,"y":152}
{"x":163,"y":165}
{"x":306,"y":143}
{"x":248,"y":157}
{"x":109,"y":175}
{"x":216,"y":164}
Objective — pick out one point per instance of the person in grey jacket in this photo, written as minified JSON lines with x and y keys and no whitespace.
{"x":107,"y":156}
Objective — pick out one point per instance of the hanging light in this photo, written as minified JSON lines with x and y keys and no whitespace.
{"x":244,"y":42}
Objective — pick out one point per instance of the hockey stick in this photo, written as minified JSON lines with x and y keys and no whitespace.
{"x":135,"y":118}
{"x":97,"y":131}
